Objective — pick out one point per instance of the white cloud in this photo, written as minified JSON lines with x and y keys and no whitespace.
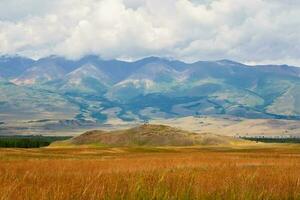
{"x":254,"y":31}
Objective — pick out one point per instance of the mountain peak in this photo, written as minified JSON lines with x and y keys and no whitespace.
{"x":85,"y":71}
{"x":228,"y":62}
{"x":91,"y":57}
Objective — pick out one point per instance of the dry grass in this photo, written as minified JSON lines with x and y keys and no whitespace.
{"x":139,"y":173}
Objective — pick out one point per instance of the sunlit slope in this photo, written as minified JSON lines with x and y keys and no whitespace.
{"x":149,"y":135}
{"x":233,"y":126}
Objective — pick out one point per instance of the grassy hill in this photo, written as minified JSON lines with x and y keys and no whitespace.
{"x":149,"y":135}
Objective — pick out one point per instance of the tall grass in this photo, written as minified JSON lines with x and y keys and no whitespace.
{"x":88,"y":174}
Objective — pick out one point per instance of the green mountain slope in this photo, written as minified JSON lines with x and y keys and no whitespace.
{"x":110,"y":91}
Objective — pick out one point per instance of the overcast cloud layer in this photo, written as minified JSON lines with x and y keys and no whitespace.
{"x":256,"y":31}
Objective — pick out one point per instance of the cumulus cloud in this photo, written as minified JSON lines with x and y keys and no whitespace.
{"x":256,"y":31}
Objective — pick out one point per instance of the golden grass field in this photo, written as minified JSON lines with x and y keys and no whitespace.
{"x":258,"y":172}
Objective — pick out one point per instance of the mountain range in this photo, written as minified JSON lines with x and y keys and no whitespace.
{"x":93,"y":90}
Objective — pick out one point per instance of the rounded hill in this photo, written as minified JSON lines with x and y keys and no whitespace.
{"x":149,"y":135}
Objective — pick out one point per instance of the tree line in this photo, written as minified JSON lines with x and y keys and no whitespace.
{"x":28,"y":141}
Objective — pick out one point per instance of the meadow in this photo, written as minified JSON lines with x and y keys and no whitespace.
{"x":261,"y":172}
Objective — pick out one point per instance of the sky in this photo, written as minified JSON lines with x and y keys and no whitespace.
{"x":254,"y":32}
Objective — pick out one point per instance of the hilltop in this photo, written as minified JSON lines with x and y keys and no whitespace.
{"x":149,"y":135}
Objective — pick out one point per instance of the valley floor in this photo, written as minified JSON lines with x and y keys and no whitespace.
{"x":257,"y":172}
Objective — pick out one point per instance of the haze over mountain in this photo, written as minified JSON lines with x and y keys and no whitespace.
{"x":96,"y":91}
